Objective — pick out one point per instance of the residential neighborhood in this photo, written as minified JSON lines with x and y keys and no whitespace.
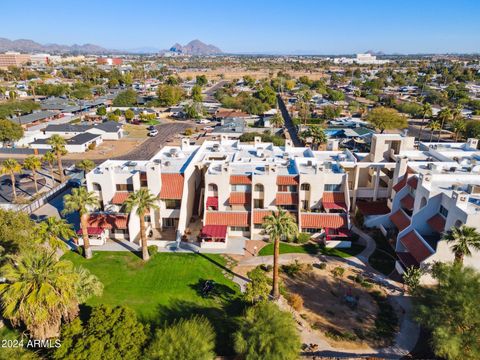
{"x":241,"y":198}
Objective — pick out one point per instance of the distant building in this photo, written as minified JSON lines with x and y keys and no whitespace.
{"x":360,"y":59}
{"x":109,"y":61}
{"x":11,"y":58}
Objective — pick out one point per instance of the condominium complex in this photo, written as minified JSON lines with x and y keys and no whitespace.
{"x":216,"y":195}
{"x":13,"y":59}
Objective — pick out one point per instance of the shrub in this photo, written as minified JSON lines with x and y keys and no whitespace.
{"x":92,"y":146}
{"x":339,"y":335}
{"x":322,"y":266}
{"x":266,"y":268}
{"x":302,"y":238}
{"x":291,"y":269}
{"x":359,"y":279}
{"x":189,"y":132}
{"x":338,"y":271}
{"x":295,"y":301}
{"x":152,"y":250}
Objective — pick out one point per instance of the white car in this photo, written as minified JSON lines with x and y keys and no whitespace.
{"x":203,"y":121}
{"x":153,"y":133}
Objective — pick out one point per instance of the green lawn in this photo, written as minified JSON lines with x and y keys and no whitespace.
{"x":167,"y":288}
{"x":311,"y":248}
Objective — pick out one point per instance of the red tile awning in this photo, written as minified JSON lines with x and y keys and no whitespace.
{"x":228,"y":218}
{"x":322,"y":221}
{"x":334,"y":200}
{"x":214,"y":231}
{"x":415,"y":246}
{"x":239,"y":198}
{"x":337,"y":233}
{"x":212,"y":201}
{"x":407,"y":259}
{"x":399,"y":185}
{"x":108,"y":221}
{"x":258,"y":216}
{"x":172,"y":186}
{"x":407,"y":202}
{"x":240,"y":180}
{"x":286,"y":199}
{"x":119,"y":197}
{"x":437,"y":223}
{"x":91,"y":231}
{"x":400,"y":220}
{"x":287,"y":180}
{"x":413,"y":182}
{"x":373,"y":207}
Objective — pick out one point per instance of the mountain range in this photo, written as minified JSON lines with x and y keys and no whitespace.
{"x":195,"y":47}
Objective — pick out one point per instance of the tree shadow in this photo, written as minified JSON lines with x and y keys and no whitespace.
{"x":218,"y":291}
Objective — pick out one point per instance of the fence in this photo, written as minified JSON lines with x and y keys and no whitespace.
{"x":30,"y":208}
{"x":22,"y":151}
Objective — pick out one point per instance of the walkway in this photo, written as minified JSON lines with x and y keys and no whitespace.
{"x":289,"y":125}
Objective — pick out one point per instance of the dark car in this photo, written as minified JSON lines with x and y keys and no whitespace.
{"x":151,"y":128}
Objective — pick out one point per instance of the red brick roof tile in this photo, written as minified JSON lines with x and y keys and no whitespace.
{"x":373,"y":207}
{"x":240,"y":180}
{"x":259,"y":215}
{"x":415,"y":246}
{"x":323,"y":220}
{"x":119,"y":197}
{"x":287,"y":180}
{"x":227,"y":218}
{"x":407,"y":202}
{"x":108,"y":221}
{"x":334,"y":200}
{"x":400,"y":220}
{"x":172,"y":186}
{"x":437,"y":223}
{"x":286,"y":199}
{"x":239,"y":198}
{"x":413,"y":182}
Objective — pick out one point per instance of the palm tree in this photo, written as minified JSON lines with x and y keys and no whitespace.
{"x":141,"y":200}
{"x":463,"y":239}
{"x":278,"y":225}
{"x":434,"y":126}
{"x":82,"y":201}
{"x":49,"y":158}
{"x":443,"y":116}
{"x":53,"y":231}
{"x":33,"y":164}
{"x":426,"y":112}
{"x":58,"y":148}
{"x":12,"y":167}
{"x":39,"y":292}
{"x":318,"y":135}
{"x":277,"y":120}
{"x":459,"y":126}
{"x":86,"y":165}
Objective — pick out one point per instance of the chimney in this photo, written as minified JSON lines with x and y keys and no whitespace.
{"x":460,"y":198}
{"x":257,"y":140}
{"x":288,"y":144}
{"x":225,"y":168}
{"x":185,"y":143}
{"x":223,"y":139}
{"x":472,"y":144}
{"x":270,"y":169}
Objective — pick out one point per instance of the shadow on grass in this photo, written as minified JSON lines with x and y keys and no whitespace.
{"x":221,"y":266}
{"x":219,"y":291}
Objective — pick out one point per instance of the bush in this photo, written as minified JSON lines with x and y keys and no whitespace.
{"x":292,"y":269}
{"x":339,"y":335}
{"x":338,"y":271}
{"x":302,"y":238}
{"x":322,"y":266}
{"x":359,"y":279}
{"x":152,"y":250}
{"x":266,"y":268}
{"x":189,"y":132}
{"x":92,"y":146}
{"x":295,"y":301}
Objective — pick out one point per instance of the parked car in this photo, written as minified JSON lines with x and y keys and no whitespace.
{"x":203,"y":121}
{"x":153,"y":133}
{"x":151,"y":128}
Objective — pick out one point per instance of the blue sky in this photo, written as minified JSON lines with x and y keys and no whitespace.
{"x":262,"y":26}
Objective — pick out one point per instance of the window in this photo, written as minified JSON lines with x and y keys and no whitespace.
{"x":287,"y":188}
{"x":305,"y":204}
{"x":241,"y":188}
{"x":124,"y":187}
{"x":212,"y":187}
{"x":147,"y":218}
{"x":239,"y":228}
{"x":173,"y":204}
{"x":168,"y":222}
{"x":96,"y":187}
{"x":443,"y":211}
{"x":332,"y":187}
{"x":258,"y":204}
{"x":120,"y":231}
{"x":289,"y":207}
{"x":305,"y":187}
{"x":259,"y":187}
{"x":312,"y":231}
{"x":144,"y":183}
{"x":258,"y":226}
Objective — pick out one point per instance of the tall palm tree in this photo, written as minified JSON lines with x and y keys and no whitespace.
{"x":443,"y":116}
{"x":426,"y":112}
{"x":49,"y":158}
{"x":12,"y":167}
{"x":318,"y":135}
{"x":141,"y":201}
{"x":53,"y":231}
{"x":434,"y":126}
{"x":33,"y":164}
{"x":81,"y":201}
{"x":86,"y":165}
{"x":463,"y":239}
{"x":58,"y":148}
{"x":39,"y":292}
{"x":459,"y":126}
{"x":277,"y":120}
{"x":278,"y":225}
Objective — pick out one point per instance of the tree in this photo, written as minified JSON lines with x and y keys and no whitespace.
{"x":201,"y":80}
{"x":303,"y":111}
{"x":317,"y":135}
{"x":463,"y":239}
{"x":86,"y":165}
{"x":450,"y":311}
{"x":190,"y":339}
{"x":426,"y":112}
{"x":129,"y":114}
{"x":49,"y":158}
{"x":411,"y":278}
{"x":58,"y":148}
{"x":384,"y":118}
{"x":258,"y":288}
{"x":459,"y":126}
{"x":443,"y":116}
{"x":101,"y":111}
{"x":10,"y":131}
{"x":197,"y":93}
{"x":12,"y":167}
{"x":112,"y":117}
{"x":53,"y":231}
{"x":126,"y":98}
{"x":434,"y":126}
{"x":81,"y":201}
{"x":33,"y":164}
{"x":40,"y":291}
{"x":110,"y":333}
{"x":279,"y":225}
{"x":267,"y":333}
{"x":20,"y":239}
{"x":335,"y":95}
{"x":169,"y":95}
{"x":142,"y":201}
{"x":277,"y":120}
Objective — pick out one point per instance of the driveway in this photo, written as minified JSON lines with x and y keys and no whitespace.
{"x":291,"y":128}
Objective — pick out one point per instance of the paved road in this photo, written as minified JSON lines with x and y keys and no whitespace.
{"x":211,"y":91}
{"x":291,"y":128}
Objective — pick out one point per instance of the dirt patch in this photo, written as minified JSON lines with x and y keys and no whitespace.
{"x":108,"y":149}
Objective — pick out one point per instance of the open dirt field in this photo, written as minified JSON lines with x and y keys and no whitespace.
{"x":237,"y":73}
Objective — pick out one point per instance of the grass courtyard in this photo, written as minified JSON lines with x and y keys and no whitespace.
{"x":311,"y":248}
{"x":167,"y":288}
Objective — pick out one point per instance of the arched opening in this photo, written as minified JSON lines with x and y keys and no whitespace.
{"x":96,"y":187}
{"x":423,"y":202}
{"x":458,"y":224}
{"x":212,"y":190}
{"x":259,"y":187}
